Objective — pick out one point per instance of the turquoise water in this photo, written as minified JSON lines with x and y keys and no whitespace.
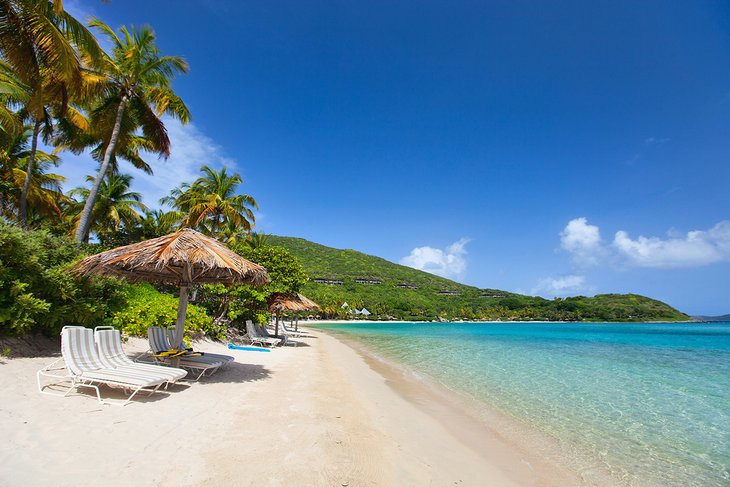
{"x":650,"y":402}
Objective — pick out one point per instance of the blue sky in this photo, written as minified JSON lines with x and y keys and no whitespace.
{"x":538,"y":147}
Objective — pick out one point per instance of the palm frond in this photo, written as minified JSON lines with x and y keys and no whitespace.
{"x":165,"y":101}
{"x":152,"y":127}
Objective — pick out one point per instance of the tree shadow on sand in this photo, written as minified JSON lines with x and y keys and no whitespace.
{"x":296,"y":343}
{"x":235,"y":373}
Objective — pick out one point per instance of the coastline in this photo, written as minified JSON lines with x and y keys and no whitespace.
{"x":342,"y":322}
{"x":496,"y":435}
{"x":322,"y":413}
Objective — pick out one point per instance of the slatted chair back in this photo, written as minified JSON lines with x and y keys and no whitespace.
{"x":158,"y":339}
{"x":78,"y":349}
{"x":109,"y":344}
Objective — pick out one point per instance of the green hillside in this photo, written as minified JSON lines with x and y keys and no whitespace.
{"x":392,"y":291}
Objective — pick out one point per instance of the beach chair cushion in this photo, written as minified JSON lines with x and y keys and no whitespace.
{"x":83,"y":361}
{"x":159,"y":343}
{"x":109,"y":345}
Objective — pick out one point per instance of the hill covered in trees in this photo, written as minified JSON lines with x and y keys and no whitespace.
{"x":393,"y":291}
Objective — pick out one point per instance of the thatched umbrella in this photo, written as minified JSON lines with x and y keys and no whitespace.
{"x":279,"y":302}
{"x":183,"y":258}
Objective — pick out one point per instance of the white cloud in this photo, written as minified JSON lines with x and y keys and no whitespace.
{"x":696,"y":248}
{"x":560,"y":286}
{"x":448,"y":262}
{"x":79,"y":10}
{"x":190,"y":149}
{"x":656,"y":140}
{"x":583,"y":241}
{"x":693,"y":249}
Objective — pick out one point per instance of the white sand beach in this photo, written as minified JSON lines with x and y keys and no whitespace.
{"x":319,"y":414}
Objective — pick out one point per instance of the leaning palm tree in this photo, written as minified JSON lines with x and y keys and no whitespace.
{"x":79,"y":131}
{"x":117,"y":206}
{"x":39,"y":40}
{"x":212,"y":205}
{"x":136,"y":93}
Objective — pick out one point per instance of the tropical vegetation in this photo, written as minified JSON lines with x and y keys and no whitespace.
{"x":132,"y":93}
{"x":212,"y":204}
{"x":392,"y":291}
{"x":59,"y":88}
{"x":41,"y":46}
{"x":38,"y":295}
{"x":116,"y":209}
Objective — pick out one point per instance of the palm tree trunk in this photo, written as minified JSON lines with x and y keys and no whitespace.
{"x":28,"y":173}
{"x":82,"y":230}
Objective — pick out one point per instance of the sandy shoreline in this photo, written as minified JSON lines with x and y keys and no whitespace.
{"x":316,"y":414}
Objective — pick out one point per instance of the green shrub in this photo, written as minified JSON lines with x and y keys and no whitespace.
{"x":242,"y":302}
{"x":147,"y":307}
{"x":286,"y":273}
{"x":37,"y":294}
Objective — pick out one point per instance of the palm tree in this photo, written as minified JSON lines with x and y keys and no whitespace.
{"x":212,"y":205}
{"x":12,"y":92}
{"x":38,"y":39}
{"x":158,"y":223}
{"x":44,"y":188}
{"x":137,"y":93}
{"x":231,"y":233}
{"x":117,"y":206}
{"x":257,"y":240}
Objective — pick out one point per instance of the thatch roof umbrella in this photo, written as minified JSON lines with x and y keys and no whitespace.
{"x":279,"y":302}
{"x":183,"y":258}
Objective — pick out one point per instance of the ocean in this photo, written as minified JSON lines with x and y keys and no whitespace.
{"x":648,"y":402}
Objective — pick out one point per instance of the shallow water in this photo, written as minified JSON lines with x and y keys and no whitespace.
{"x":650,"y":402}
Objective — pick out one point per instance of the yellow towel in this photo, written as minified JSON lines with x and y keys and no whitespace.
{"x":175,"y":353}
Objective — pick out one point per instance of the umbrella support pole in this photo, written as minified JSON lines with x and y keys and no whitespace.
{"x":180,"y":323}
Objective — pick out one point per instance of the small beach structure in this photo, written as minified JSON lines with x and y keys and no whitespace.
{"x":182,"y":258}
{"x":279,"y":302}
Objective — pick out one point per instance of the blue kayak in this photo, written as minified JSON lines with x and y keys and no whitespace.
{"x":247,"y":349}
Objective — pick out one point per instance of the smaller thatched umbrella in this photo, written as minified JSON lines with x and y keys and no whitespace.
{"x":182,"y":258}
{"x":279,"y":302}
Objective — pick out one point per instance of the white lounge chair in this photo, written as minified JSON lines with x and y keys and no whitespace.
{"x":293,"y":333}
{"x":84,"y":368}
{"x":109,"y":345}
{"x":200,"y":364}
{"x":284,"y":335}
{"x":255,"y":336}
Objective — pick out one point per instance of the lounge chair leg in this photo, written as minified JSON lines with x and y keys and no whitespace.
{"x":129,"y":398}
